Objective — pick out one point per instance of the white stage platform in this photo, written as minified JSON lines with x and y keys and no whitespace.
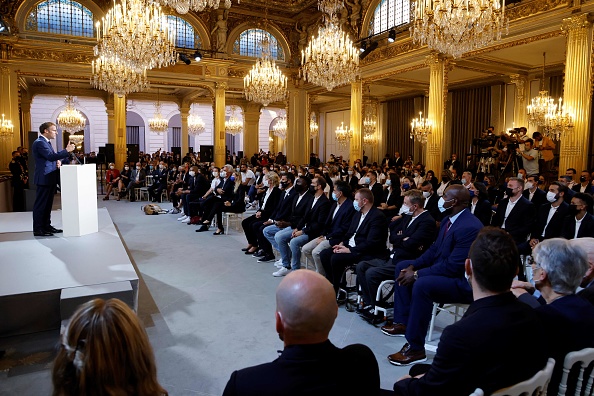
{"x":37,"y":272}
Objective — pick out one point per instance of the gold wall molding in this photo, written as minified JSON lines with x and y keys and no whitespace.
{"x":56,"y":56}
{"x":527,"y":8}
{"x":514,"y":43}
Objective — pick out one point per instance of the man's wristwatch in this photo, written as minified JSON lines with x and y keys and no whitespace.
{"x":416,"y":275}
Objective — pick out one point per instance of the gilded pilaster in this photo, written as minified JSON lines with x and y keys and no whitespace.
{"x":9,"y":106}
{"x":184,"y":111}
{"x":356,"y":147}
{"x":251,"y":132}
{"x":577,"y":98}
{"x":297,"y":142}
{"x":25,"y":118}
{"x":438,"y":91}
{"x":119,"y":124}
{"x":219,"y":124}
{"x":520,"y":113}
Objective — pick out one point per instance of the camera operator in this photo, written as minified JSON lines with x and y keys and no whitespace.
{"x":529,"y":157}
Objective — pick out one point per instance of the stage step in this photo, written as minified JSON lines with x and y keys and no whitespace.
{"x":71,"y":298}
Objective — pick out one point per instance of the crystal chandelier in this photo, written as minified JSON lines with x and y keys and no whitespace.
{"x":195,"y":125}
{"x":233,"y":126}
{"x":540,"y":108}
{"x":343,"y":135}
{"x":183,"y":6}
{"x":420,"y":128}
{"x":454,"y":27}
{"x":77,"y":140}
{"x":330,"y":59}
{"x":558,"y":123}
{"x":138,"y":34}
{"x":314,"y":128}
{"x":265,"y":83}
{"x":158,"y":124}
{"x":370,"y":121}
{"x":280,"y":127}
{"x":113,"y":76}
{"x":369,"y":140}
{"x":6,"y":128}
{"x":70,"y":119}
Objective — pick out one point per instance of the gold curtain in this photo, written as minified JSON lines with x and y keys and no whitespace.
{"x":400,"y":114}
{"x":471,"y":114}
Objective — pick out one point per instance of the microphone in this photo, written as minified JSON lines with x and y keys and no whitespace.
{"x":72,"y":155}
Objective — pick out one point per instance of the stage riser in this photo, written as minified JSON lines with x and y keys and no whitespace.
{"x":29,"y":313}
{"x":74,"y":297}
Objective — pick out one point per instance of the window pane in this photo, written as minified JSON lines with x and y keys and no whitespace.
{"x":61,"y":17}
{"x":390,"y":13}
{"x":248,"y":44}
{"x":185,"y":35}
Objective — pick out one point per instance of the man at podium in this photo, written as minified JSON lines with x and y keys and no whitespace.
{"x":45,"y":178}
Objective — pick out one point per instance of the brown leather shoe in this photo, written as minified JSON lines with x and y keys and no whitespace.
{"x":407,"y":356}
{"x":394,"y":329}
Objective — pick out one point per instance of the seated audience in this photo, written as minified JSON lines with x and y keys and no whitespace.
{"x":587,"y":285}
{"x":365,"y":239}
{"x":436,"y":276}
{"x":515,"y":214}
{"x":112,"y":179}
{"x":584,"y":185}
{"x":475,"y":351}
{"x":159,"y":182}
{"x":534,"y":194}
{"x":392,"y":198}
{"x":197,"y":187}
{"x":136,"y":181}
{"x":223,"y":193}
{"x":431,"y":200}
{"x":124,"y":180}
{"x":550,"y":216}
{"x":105,"y":351}
{"x":479,"y":202}
{"x":252,"y":224}
{"x":336,"y":225}
{"x":235,"y":205}
{"x":309,"y":364}
{"x":579,"y":223}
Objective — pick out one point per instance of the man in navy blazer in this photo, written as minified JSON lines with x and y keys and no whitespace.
{"x":336,"y":225}
{"x":46,"y":177}
{"x":436,"y":276}
{"x":518,"y":219}
{"x":475,"y":351}
{"x":585,"y":185}
{"x":549,"y":218}
{"x":579,"y":218}
{"x":365,"y":239}
{"x":309,"y":364}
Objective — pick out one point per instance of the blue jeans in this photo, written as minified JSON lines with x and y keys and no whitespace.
{"x":295,"y":245}
{"x":282,"y":239}
{"x":269,"y":233}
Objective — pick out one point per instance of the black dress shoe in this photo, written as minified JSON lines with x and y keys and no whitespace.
{"x":219,"y":232}
{"x":202,"y":229}
{"x":259,"y":253}
{"x":54,"y":230}
{"x":42,"y":233}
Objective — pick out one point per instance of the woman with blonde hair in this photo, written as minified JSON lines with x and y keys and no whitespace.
{"x":235,"y":205}
{"x":105,"y":351}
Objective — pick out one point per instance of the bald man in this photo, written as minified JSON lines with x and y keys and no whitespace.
{"x":309,"y":364}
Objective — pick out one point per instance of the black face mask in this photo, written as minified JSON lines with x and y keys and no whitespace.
{"x":312,"y":189}
{"x":509,"y":192}
{"x":300,"y":188}
{"x":573,"y":210}
{"x":583,"y":179}
{"x":284,"y":185}
{"x":541,"y":182}
{"x":445,"y":179}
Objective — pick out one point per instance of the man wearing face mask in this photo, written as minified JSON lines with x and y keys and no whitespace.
{"x":580,"y":222}
{"x":136,"y":181}
{"x":308,"y":228}
{"x":445,"y":182}
{"x":534,"y":194}
{"x":584,"y":186}
{"x":431,"y":200}
{"x":375,"y":187}
{"x":352,"y":179}
{"x":515,"y":214}
{"x":550,"y":217}
{"x":466,"y":179}
{"x":223,"y":192}
{"x":436,"y":276}
{"x":159,"y":182}
{"x":365,"y":239}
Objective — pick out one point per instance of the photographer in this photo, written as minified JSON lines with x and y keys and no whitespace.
{"x":529,"y":157}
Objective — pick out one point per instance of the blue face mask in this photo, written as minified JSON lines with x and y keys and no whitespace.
{"x":334,"y":196}
{"x":232,"y":178}
{"x":406,"y":186}
{"x":471,"y":193}
{"x":356,"y":206}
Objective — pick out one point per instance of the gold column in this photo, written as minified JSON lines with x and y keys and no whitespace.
{"x":219,"y":125}
{"x":251,"y":130}
{"x":184,"y":112}
{"x":25,"y":118}
{"x":119,"y":125}
{"x":520,"y":112}
{"x":9,"y":106}
{"x":356,"y":146}
{"x":297,"y":142}
{"x":577,"y":95}
{"x":438,"y":91}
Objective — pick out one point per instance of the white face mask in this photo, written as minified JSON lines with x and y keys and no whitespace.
{"x":551,"y":196}
{"x":529,"y":185}
{"x":161,"y":166}
{"x":350,"y":172}
{"x":223,"y":174}
{"x":126,"y":167}
{"x":426,"y":194}
{"x":463,"y":181}
{"x":215,"y":174}
{"x":192,"y":173}
{"x":405,"y":209}
{"x":111,"y":167}
{"x":138,"y":167}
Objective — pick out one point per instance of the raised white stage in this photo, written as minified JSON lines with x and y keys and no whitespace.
{"x":42,"y":277}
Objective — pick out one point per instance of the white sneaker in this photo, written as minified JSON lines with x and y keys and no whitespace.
{"x":182,"y":218}
{"x":281,"y":272}
{"x":278,"y":263}
{"x":186,"y":220}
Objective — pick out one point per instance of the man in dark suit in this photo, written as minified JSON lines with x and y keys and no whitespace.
{"x":585,"y":185}
{"x":436,"y":276}
{"x":352,"y":180}
{"x":336,"y":225}
{"x":549,"y":218}
{"x":281,"y":215}
{"x":398,"y":161}
{"x":136,"y":181}
{"x":515,"y":214}
{"x":534,"y":194}
{"x":431,"y":200}
{"x":159,"y":182}
{"x":305,"y":313}
{"x":453,"y":164}
{"x":410,"y":236}
{"x":387,"y":161}
{"x":311,"y":226}
{"x":569,"y":182}
{"x":376,"y":188}
{"x":224,"y":192}
{"x":587,"y":283}
{"x":580,"y":222}
{"x":475,"y":351}
{"x":365,"y":239}
{"x":46,"y":176}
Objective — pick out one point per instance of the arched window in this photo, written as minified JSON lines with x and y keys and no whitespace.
{"x":61,"y":17}
{"x":390,"y":13}
{"x":185,"y":34}
{"x":248,"y":44}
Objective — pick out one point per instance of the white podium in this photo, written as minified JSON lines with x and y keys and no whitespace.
{"x":79,"y":199}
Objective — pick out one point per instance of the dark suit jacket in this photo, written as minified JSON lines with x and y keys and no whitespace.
{"x":432,"y":208}
{"x":337,"y":227}
{"x":539,"y":197}
{"x":371,"y":236}
{"x":446,"y":257}
{"x":314,"y":221}
{"x":228,"y":186}
{"x":271,"y":203}
{"x":587,"y":293}
{"x":378,"y":192}
{"x":160,"y":178}
{"x":299,"y":210}
{"x":568,"y":196}
{"x":555,"y":226}
{"x":135,"y":172}
{"x":309,"y":370}
{"x":45,"y":162}
{"x":284,"y":207}
{"x":198,"y":185}
{"x":589,"y":189}
{"x":237,"y":202}
{"x":353,"y":182}
{"x":520,"y":220}
{"x":475,"y":351}
{"x":483,"y":211}
{"x":419,"y":236}
{"x":586,"y":228}
{"x":398,"y":162}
